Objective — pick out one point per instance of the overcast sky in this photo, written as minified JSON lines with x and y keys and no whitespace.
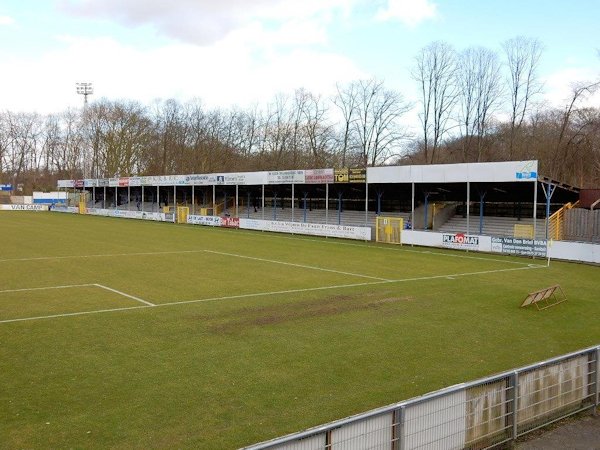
{"x":241,"y":52}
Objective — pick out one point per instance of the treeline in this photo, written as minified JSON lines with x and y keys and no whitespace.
{"x":473,"y":105}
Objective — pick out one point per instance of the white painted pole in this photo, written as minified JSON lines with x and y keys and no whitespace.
{"x":326,"y":202}
{"x":412,"y":210}
{"x":468,"y":205}
{"x":535,"y":188}
{"x":366,"y":204}
{"x":263,"y":202}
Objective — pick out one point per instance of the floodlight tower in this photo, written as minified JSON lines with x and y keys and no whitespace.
{"x":85,"y":89}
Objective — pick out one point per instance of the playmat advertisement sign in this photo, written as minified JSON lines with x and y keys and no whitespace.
{"x":461,"y":241}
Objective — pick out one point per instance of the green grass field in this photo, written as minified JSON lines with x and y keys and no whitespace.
{"x":129,"y":334}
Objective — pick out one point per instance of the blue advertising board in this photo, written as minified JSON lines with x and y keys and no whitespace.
{"x":6,"y":187}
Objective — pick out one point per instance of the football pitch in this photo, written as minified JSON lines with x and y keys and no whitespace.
{"x":131,"y":334}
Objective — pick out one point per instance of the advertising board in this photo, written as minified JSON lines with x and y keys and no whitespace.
{"x":211,"y":221}
{"x":285,"y":177}
{"x":352,"y":175}
{"x":312,"y":229}
{"x":23,"y":207}
{"x":519,"y":246}
{"x":230,"y":222}
{"x":319,"y":176}
{"x":124,"y":214}
{"x":66,"y":209}
{"x":460,"y":241}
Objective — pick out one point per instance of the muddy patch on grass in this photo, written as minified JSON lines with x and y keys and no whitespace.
{"x":285,"y":313}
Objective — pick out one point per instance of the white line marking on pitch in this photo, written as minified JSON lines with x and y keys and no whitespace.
{"x":80,"y":313}
{"x":341,"y":286}
{"x":101,"y":255}
{"x":303,"y":266}
{"x":175,"y":252}
{"x":377,"y":247}
{"x":291,"y":291}
{"x":125,"y":295}
{"x":298,"y":238}
{"x":67,"y":286}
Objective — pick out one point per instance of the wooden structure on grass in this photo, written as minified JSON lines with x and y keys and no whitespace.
{"x":545,"y":298}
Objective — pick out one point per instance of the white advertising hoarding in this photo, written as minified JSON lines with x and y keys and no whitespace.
{"x":319,"y":176}
{"x":159,"y":217}
{"x":23,"y":207}
{"x":65,"y":209}
{"x":211,"y":221}
{"x":312,"y":229}
{"x":456,"y":173}
{"x":65,"y":183}
{"x":285,"y":177}
{"x":458,"y":241}
{"x":575,"y":251}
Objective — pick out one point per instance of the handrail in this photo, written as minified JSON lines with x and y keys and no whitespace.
{"x":555,"y":221}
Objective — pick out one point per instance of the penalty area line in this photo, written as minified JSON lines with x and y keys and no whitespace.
{"x":342,"y":286}
{"x":137,"y":299}
{"x":259,"y":294}
{"x":66,"y":286}
{"x":302,"y":266}
{"x":80,"y":313}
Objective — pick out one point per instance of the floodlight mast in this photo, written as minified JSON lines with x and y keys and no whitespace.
{"x":85,"y":89}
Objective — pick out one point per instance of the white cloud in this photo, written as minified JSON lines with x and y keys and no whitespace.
{"x":6,"y":20}
{"x":225,"y":74}
{"x":206,"y":21}
{"x":559,"y":85}
{"x":409,"y":12}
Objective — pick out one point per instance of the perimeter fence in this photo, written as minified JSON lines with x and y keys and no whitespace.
{"x":477,"y":415}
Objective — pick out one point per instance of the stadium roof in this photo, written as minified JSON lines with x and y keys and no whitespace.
{"x":512,"y":181}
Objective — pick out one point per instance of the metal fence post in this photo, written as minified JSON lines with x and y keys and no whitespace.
{"x":514,"y":398}
{"x":400,"y":414}
{"x":597,"y":387}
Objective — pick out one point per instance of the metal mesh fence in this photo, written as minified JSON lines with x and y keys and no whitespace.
{"x":476,"y":415}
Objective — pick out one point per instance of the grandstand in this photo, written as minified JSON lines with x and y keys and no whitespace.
{"x":487,"y":199}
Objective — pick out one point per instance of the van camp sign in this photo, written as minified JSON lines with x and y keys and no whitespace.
{"x":461,"y":241}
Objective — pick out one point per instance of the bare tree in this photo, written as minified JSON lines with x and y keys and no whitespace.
{"x":3,"y":145}
{"x":346,"y":100}
{"x":63,"y":145}
{"x":435,"y":72}
{"x":523,"y":57}
{"x":480,"y":90}
{"x":24,"y":131}
{"x":376,"y":127}
{"x":319,"y":132}
{"x":570,"y":131}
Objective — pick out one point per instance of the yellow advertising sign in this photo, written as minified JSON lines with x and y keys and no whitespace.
{"x":346,"y":175}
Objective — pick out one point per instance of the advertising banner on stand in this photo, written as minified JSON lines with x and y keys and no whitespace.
{"x":312,"y":229}
{"x":519,"y":246}
{"x":23,"y":207}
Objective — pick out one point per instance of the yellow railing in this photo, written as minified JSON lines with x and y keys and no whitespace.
{"x":220,"y":207}
{"x":556,"y":222}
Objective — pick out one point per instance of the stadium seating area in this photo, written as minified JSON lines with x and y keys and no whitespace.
{"x":492,"y":226}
